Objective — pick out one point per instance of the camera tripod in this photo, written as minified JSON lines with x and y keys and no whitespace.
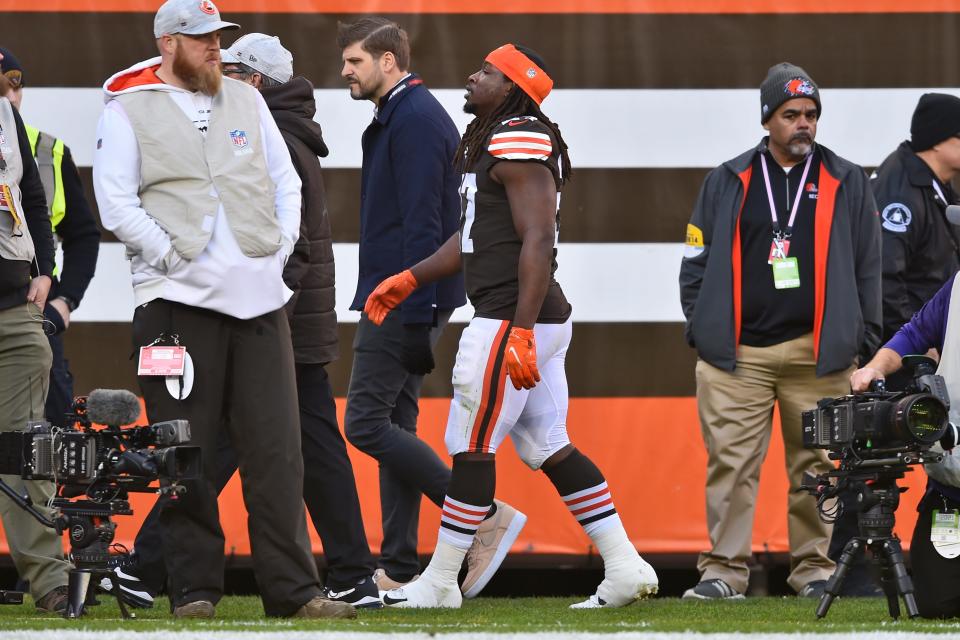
{"x":876,"y":504}
{"x":90,"y":531}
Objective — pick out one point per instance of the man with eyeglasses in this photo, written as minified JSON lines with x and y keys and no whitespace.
{"x":26,"y":267}
{"x":73,"y":223}
{"x":193,"y":176}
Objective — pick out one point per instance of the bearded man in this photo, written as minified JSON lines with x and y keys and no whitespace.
{"x":780,"y":286}
{"x":209,"y":214}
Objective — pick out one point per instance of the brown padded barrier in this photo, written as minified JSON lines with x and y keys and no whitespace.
{"x":617,"y":359}
{"x":583,"y":51}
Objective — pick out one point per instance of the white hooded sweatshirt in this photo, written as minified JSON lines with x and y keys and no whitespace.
{"x":221,"y":278}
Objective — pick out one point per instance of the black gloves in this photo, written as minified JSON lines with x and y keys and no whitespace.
{"x":416,"y":355}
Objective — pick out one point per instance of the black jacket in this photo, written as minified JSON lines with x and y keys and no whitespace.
{"x":310,"y":270}
{"x":15,"y":274}
{"x":409,"y":197}
{"x":921,"y":250}
{"x":847,"y":296}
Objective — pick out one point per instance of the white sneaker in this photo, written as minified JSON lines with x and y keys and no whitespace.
{"x":423,"y":594}
{"x":623,"y":586}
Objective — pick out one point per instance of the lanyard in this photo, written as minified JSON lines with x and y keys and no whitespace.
{"x":936,"y":187}
{"x":777,"y":234}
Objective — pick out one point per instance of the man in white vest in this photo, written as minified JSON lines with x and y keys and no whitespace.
{"x":192,"y":175}
{"x":934,"y":554}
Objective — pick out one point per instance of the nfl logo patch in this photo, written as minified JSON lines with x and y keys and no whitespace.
{"x":239,"y":138}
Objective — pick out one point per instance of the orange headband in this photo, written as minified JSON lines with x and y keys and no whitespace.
{"x":522,"y":71}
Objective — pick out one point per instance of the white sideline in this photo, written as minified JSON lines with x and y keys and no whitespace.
{"x":196,"y":634}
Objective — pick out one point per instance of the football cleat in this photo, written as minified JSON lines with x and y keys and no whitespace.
{"x":623,"y":586}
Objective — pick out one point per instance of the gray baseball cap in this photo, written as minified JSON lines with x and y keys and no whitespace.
{"x":262,"y":53}
{"x":190,"y":17}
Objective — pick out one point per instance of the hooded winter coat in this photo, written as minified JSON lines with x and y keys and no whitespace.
{"x":309,"y":272}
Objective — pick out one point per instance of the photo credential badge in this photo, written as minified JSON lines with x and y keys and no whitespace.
{"x":945,"y":533}
{"x":786,"y":273}
{"x":161,"y":361}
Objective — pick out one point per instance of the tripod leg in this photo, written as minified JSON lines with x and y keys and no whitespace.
{"x":77,"y":583}
{"x":904,"y":585}
{"x":887,"y":580}
{"x":835,"y":583}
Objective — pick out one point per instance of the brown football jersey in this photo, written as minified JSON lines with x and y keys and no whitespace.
{"x":489,"y":244}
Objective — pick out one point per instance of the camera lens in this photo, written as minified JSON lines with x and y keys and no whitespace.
{"x":922,"y":417}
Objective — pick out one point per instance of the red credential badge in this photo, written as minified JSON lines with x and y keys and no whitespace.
{"x":161,"y":361}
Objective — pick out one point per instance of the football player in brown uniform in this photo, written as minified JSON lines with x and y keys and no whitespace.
{"x":514,"y":164}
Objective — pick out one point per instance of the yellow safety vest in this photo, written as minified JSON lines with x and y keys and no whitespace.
{"x":48,"y":152}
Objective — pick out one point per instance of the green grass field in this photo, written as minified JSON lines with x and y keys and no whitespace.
{"x":502,"y":615}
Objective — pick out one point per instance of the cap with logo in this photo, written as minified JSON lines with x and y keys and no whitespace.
{"x":189,"y":17}
{"x":784,"y":82}
{"x":261,"y":53}
{"x":11,"y":68}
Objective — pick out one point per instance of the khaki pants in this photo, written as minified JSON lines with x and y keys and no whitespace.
{"x":25,"y":359}
{"x":736,"y":417}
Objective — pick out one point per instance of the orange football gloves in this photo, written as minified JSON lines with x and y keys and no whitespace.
{"x":521,"y":357}
{"x":388,"y":295}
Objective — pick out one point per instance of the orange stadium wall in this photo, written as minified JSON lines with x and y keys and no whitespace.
{"x":650,"y":450}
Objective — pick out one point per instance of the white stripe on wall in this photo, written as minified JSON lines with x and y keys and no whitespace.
{"x":604,"y":283}
{"x":605,"y":128}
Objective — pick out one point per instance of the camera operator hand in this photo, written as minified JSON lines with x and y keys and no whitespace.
{"x":861,"y":378}
{"x":883,"y":364}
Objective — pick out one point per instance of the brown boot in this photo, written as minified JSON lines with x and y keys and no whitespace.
{"x":55,"y":601}
{"x":195,"y":609}
{"x":320,"y":607}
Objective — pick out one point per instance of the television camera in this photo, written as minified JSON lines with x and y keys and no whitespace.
{"x":876,"y":437}
{"x":93,"y":470}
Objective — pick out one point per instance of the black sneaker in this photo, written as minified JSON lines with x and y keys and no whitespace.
{"x":363,"y":595}
{"x":124,"y":583}
{"x":715,"y":589}
{"x":813,"y":589}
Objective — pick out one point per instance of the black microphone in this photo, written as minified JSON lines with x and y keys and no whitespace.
{"x":113,"y":407}
{"x":953,"y":213}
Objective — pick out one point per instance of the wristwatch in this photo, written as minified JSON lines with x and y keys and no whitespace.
{"x":70,"y":302}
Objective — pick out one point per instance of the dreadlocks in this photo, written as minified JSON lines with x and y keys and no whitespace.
{"x":517,"y":103}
